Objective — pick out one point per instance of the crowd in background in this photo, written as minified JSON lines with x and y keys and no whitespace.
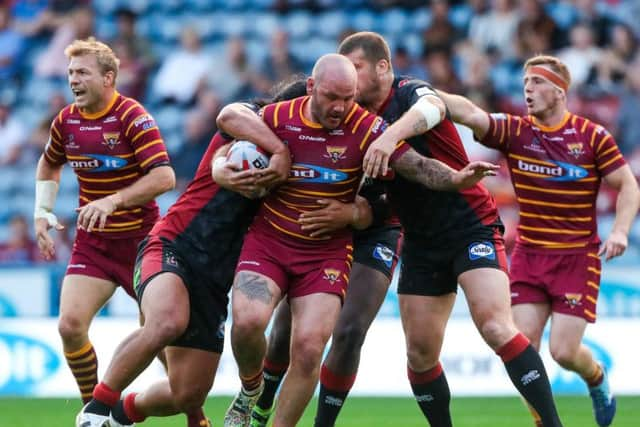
{"x":184,"y":59}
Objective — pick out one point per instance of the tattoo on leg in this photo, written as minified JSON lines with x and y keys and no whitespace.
{"x":255,"y":287}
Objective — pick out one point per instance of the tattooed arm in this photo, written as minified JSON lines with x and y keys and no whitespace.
{"x":437,"y":175}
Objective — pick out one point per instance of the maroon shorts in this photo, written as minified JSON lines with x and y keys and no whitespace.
{"x":108,"y":259}
{"x":569,"y":282}
{"x":298,"y":270}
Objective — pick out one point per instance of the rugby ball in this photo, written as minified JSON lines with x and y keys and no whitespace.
{"x":248,"y":155}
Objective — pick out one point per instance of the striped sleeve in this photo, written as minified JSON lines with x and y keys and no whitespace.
{"x":502,"y":128}
{"x":142,"y":132}
{"x":54,"y":150}
{"x":269,"y":114}
{"x":607,"y":154}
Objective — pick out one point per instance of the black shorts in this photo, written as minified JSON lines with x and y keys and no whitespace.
{"x":433,"y":270}
{"x":207,"y":306}
{"x":378,"y":248}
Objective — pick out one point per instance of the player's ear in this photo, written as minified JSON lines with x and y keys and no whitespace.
{"x":310,"y":84}
{"x":108,"y":78}
{"x":382,"y":66}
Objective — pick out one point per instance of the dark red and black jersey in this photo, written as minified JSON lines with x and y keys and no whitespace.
{"x":425,"y":213}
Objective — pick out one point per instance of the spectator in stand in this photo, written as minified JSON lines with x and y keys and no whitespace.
{"x":11,"y":47}
{"x":440,"y":72}
{"x":496,"y":28}
{"x":138,"y":45}
{"x":132,"y":75}
{"x":208,"y":102}
{"x":76,"y":25}
{"x":582,"y":55}
{"x":196,"y":140}
{"x":280,"y":63}
{"x":441,"y":32}
{"x":231,"y":77}
{"x":182,"y":70}
{"x":404,"y":64}
{"x":20,"y":247}
{"x":12,"y":135}
{"x":616,"y":58}
{"x":599,"y":23}
{"x":537,"y":31}
{"x":628,"y":124}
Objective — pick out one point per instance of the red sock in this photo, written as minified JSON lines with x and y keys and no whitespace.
{"x":336,"y":382}
{"x":513,"y":348}
{"x":253,"y":382}
{"x":102,"y":393}
{"x":130,"y":410}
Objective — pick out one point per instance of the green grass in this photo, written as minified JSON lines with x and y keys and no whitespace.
{"x":358,"y":412}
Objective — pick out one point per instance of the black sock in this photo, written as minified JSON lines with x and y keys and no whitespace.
{"x":97,"y":407}
{"x":119,"y":415}
{"x":527,"y":373}
{"x":272,"y":375}
{"x":333,"y":392}
{"x":432,"y":395}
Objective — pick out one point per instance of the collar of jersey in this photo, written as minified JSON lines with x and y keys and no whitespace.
{"x":102,"y":112}
{"x":552,"y":128}
{"x":306,"y":121}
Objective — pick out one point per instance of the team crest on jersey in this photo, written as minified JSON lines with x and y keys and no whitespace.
{"x":573,"y":300}
{"x":575,"y":149}
{"x":332,"y":275}
{"x":111,"y":139}
{"x":335,"y":153}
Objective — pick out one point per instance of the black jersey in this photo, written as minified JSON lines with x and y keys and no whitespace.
{"x":425,"y":213}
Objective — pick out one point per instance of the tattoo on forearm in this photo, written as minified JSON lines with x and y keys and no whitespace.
{"x":420,"y":127}
{"x":254,"y":287}
{"x":429,"y":172}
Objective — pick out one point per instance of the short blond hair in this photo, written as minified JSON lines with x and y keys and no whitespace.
{"x":554,"y":63}
{"x":107,"y":60}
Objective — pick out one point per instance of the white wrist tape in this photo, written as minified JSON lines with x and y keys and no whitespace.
{"x":430,"y":112}
{"x":46,"y":192}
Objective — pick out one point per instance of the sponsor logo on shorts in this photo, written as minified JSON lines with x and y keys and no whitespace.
{"x":170,"y":259}
{"x":530,"y":377}
{"x":220,"y":332}
{"x":332,"y":275}
{"x":482,"y":250}
{"x":573,"y":300}
{"x":383,"y":254}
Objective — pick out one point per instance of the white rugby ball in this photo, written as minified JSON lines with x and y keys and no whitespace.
{"x":248,"y":155}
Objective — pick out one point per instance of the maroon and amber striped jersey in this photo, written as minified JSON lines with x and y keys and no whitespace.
{"x":556,"y":174}
{"x":108,"y":151}
{"x":326,"y":164}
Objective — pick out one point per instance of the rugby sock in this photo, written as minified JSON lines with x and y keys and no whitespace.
{"x":432,"y":394}
{"x":333,"y":392}
{"x":84,"y":367}
{"x":527,"y":373}
{"x":197,"y":418}
{"x":103,"y":400}
{"x":595,"y":379}
{"x":125,"y":411}
{"x":251,"y":383}
{"x":273,"y":374}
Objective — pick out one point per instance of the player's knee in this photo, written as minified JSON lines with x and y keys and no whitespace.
{"x":159,"y":334}
{"x":71,"y":327}
{"x":349,"y":338}
{"x":422,"y":354}
{"x":248,"y":325}
{"x":307,"y":352}
{"x":188,"y":399}
{"x":496,"y":332}
{"x":564,"y":355}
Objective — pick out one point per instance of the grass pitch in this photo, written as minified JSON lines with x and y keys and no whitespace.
{"x":358,"y":412}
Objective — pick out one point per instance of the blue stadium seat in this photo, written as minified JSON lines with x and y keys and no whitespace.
{"x":394,"y":21}
{"x":105,"y":7}
{"x":420,"y":19}
{"x":68,"y":182}
{"x":235,"y":24}
{"x":105,"y":27}
{"x":363,"y":20}
{"x":413,"y":42}
{"x":460,"y":15}
{"x":330,"y":24}
{"x":564,"y":14}
{"x":265,"y":23}
{"x":299,"y":24}
{"x":169,"y":119}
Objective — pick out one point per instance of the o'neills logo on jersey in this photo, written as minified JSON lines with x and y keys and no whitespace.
{"x":293,"y":128}
{"x":88,"y":128}
{"x":332,"y":275}
{"x":312,"y":138}
{"x":561,"y":172}
{"x":98,"y":163}
{"x":111,"y":139}
{"x":301,"y":172}
{"x":335,"y":153}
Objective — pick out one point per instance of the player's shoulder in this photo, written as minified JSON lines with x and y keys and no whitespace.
{"x":406,"y":86}
{"x":67,"y":112}
{"x":126,"y":108}
{"x":586,"y":126}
